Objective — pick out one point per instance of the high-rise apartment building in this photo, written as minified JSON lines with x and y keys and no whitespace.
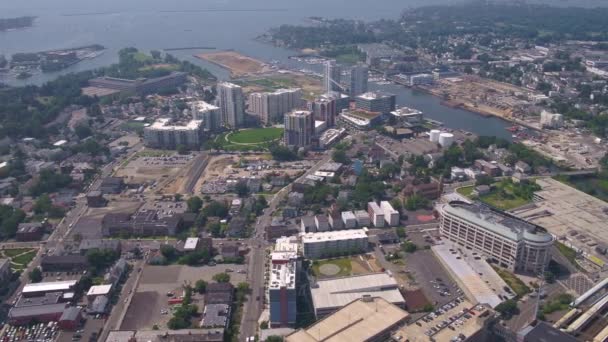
{"x":282,"y":288}
{"x":512,"y":242}
{"x":231,"y":101}
{"x":299,"y":128}
{"x":165,"y":134}
{"x":271,"y":107}
{"x":326,"y":107}
{"x":358,"y":79}
{"x":208,"y":113}
{"x":332,"y":77}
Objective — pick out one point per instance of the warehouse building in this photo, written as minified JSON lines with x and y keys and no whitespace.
{"x":330,"y":295}
{"x":513,"y":243}
{"x":328,"y":244}
{"x":365,"y":319}
{"x":40,"y":289}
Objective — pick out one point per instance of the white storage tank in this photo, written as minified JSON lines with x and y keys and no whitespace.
{"x":446,"y":139}
{"x":434,"y":135}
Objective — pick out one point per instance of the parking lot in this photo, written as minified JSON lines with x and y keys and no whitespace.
{"x":149,"y":305}
{"x":451,"y":315}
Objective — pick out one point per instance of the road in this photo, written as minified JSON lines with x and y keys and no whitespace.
{"x":254,"y":307}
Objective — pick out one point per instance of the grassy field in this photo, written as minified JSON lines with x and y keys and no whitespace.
{"x":9,"y":253}
{"x":256,"y":135}
{"x":343,"y":263}
{"x":566,"y":251}
{"x":514,"y":283}
{"x":466,"y":190}
{"x":348,"y":58}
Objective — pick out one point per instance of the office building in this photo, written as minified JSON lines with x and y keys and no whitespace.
{"x":299,"y":128}
{"x":165,"y":134}
{"x":513,"y":243}
{"x":366,"y":319}
{"x":391,"y":216}
{"x":330,"y":295}
{"x":332,"y":77}
{"x":407,"y":116}
{"x":231,"y":101}
{"x":358,"y":79}
{"x":328,"y":244}
{"x":421,"y":79}
{"x":376,"y":101}
{"x":142,"y":223}
{"x":208,"y":114}
{"x":283,"y":282}
{"x":376,"y":214}
{"x":271,"y":107}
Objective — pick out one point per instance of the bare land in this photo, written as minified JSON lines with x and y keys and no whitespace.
{"x":238,"y":64}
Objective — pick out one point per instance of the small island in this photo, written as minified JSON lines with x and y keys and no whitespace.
{"x":16,"y":23}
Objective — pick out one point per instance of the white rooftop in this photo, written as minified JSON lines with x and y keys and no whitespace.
{"x":283,"y":275}
{"x":406,"y":111}
{"x":99,"y":290}
{"x":203,"y":106}
{"x":334,"y":235}
{"x":49,"y":286}
{"x":375,"y":208}
{"x":164,"y":124}
{"x":285,"y":248}
{"x":190,"y":244}
{"x":60,"y":143}
{"x":337,"y":292}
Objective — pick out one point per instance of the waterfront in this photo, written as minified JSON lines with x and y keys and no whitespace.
{"x":220,"y":24}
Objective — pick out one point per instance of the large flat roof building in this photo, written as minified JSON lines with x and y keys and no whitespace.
{"x":333,"y":243}
{"x":365,"y":319}
{"x":330,"y":295}
{"x":164,"y":133}
{"x":376,"y":101}
{"x":40,"y":289}
{"x":512,"y":242}
{"x":271,"y":106}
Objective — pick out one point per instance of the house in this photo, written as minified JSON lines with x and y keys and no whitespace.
{"x":481,"y":190}
{"x":219,"y":293}
{"x":64,"y":263}
{"x":307,"y":224}
{"x":522,"y":167}
{"x":274,"y":232}
{"x":321,"y":223}
{"x":430,"y":191}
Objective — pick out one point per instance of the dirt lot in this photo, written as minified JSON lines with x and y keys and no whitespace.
{"x":151,"y":295}
{"x":167,"y":174}
{"x":311,"y":86}
{"x":238,"y":64}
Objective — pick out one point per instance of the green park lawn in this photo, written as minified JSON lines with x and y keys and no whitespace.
{"x":9,"y":253}
{"x":256,"y":135}
{"x":343,"y":263}
{"x":466,"y":190}
{"x":514,"y":283}
{"x":496,"y":198}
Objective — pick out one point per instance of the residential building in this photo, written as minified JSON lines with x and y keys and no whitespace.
{"x":271,"y":107}
{"x":30,"y":231}
{"x":330,"y":295}
{"x":207,"y":113}
{"x":391,"y":216}
{"x":231,"y":102}
{"x":215,"y":316}
{"x":322,"y":223}
{"x":349,"y":220}
{"x":166,"y":134}
{"x":491,"y":169}
{"x":358,"y":79}
{"x":332,"y":77}
{"x":282,"y":288}
{"x":335,"y":218}
{"x":376,"y":214}
{"x":64,"y":263}
{"x":363,"y":219}
{"x":140,"y":85}
{"x":327,"y":244}
{"x":512,"y":242}
{"x":377,"y":101}
{"x":299,"y":128}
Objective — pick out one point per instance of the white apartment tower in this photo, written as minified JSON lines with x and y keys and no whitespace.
{"x":231,"y":101}
{"x":208,"y":113}
{"x":271,"y":107}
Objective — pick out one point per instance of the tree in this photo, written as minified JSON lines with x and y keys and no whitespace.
{"x":195,"y":204}
{"x":101,"y":258}
{"x":216,"y":208}
{"x":484,"y":180}
{"x":264,"y":325}
{"x":83,"y":131}
{"x":155,"y":54}
{"x":177,"y":197}
{"x":182,"y":149}
{"x":409,"y":247}
{"x":168,"y":251}
{"x":274,"y":338}
{"x":400,"y":231}
{"x":222,"y":278}
{"x":35,"y":275}
{"x":508,"y":308}
{"x":339,"y":156}
{"x":200,"y":286}
{"x":241,"y":189}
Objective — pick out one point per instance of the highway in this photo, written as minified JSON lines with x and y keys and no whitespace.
{"x":253,"y":307}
